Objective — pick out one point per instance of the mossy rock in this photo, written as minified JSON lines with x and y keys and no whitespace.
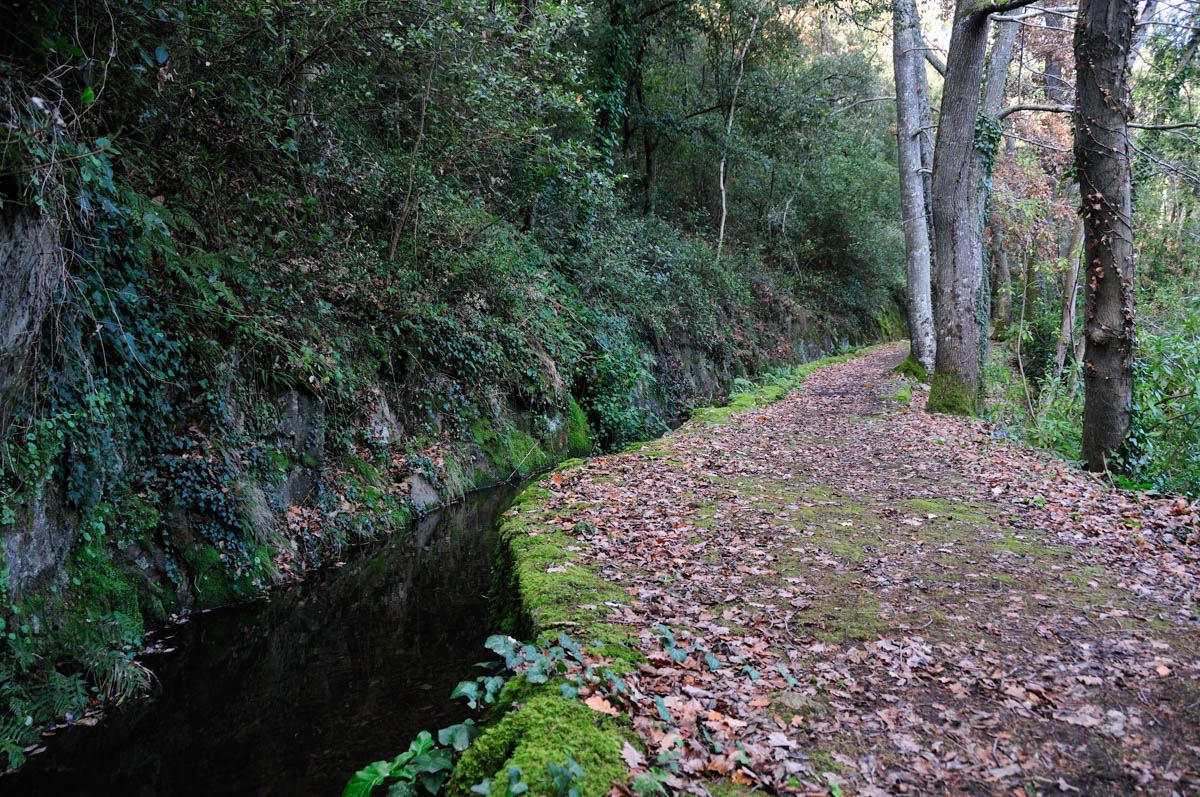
{"x":540,"y":731}
{"x":579,"y":431}
{"x":509,"y":449}
{"x":97,"y":586}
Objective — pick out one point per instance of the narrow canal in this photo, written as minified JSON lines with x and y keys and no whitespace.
{"x":291,"y":695}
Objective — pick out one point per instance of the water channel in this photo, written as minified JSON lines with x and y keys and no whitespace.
{"x":291,"y":695}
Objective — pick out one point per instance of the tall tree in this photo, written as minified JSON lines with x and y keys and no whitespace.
{"x":1103,"y":39}
{"x":908,"y":64}
{"x":958,"y":174}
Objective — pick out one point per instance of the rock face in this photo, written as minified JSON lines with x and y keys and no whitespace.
{"x":302,"y":430}
{"x":31,"y":273}
{"x":37,"y":544}
{"x":421,"y":492}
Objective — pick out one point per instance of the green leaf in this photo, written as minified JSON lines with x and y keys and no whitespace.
{"x":467,"y":689}
{"x":367,"y":778}
{"x":88,"y":96}
{"x":432,"y":761}
{"x":401,"y":788}
{"x":459,"y":736}
{"x":433,"y":781}
{"x":160,"y":54}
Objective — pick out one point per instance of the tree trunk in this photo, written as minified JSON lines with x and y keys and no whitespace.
{"x":961,"y":307}
{"x":909,"y":68}
{"x":1103,"y":36}
{"x":723,"y":171}
{"x":925,"y":136}
{"x":1070,"y":291}
{"x":999,"y":58}
{"x":1001,"y":282}
{"x":992,"y":99}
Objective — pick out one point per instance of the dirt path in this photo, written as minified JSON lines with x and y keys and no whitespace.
{"x":839,"y":594}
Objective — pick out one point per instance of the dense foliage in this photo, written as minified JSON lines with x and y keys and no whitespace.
{"x":493,"y":210}
{"x":1034,"y":210}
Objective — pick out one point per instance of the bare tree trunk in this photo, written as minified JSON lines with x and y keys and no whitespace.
{"x":1001,"y":281}
{"x":909,"y":69}
{"x":962,"y":298}
{"x":1103,"y":38}
{"x":741,"y":65}
{"x":926,"y":138}
{"x":999,"y":58}
{"x":1070,"y":291}
{"x":994,"y":82}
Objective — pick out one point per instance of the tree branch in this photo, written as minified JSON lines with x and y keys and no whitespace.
{"x":933,"y":60}
{"x":1064,"y":11}
{"x":984,"y":9}
{"x":1175,"y":126}
{"x":645,"y":15}
{"x":1034,"y":107}
{"x":845,"y":108}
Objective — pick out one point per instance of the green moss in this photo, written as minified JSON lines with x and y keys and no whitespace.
{"x":212,"y":583}
{"x":543,"y":730}
{"x":97,"y":586}
{"x":364,"y":469}
{"x":912,"y":369}
{"x":728,"y":788}
{"x":278,"y":463}
{"x":949,"y":394}
{"x":945,"y":508}
{"x":903,"y":395}
{"x":511,"y":450}
{"x":539,"y":584}
{"x":579,"y":432}
{"x":138,"y":519}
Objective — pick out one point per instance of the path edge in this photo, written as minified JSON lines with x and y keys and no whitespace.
{"x":540,"y":588}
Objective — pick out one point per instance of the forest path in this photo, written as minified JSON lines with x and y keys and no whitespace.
{"x":858,"y":597}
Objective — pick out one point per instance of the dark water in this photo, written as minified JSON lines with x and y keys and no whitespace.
{"x":291,"y":696}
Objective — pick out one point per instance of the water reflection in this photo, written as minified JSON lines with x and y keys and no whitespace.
{"x":292,"y":695}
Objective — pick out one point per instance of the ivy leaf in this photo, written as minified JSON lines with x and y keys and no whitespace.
{"x":459,"y":736}
{"x":367,"y":778}
{"x":469,"y":690}
{"x":401,"y":788}
{"x":662,"y":709}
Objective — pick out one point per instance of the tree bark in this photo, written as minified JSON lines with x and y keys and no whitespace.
{"x":909,"y":69}
{"x":999,"y":58}
{"x":926,"y":138}
{"x":1001,"y":282}
{"x":722,"y":171}
{"x":1070,"y":291}
{"x":1103,"y":39}
{"x":961,"y":306}
{"x":992,"y":100}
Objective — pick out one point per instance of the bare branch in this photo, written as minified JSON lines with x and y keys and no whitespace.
{"x":932,"y":57}
{"x":1035,"y":143}
{"x":984,"y":9}
{"x":1065,"y":11}
{"x":1175,"y":126}
{"x":1034,"y":107}
{"x":845,"y":108}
